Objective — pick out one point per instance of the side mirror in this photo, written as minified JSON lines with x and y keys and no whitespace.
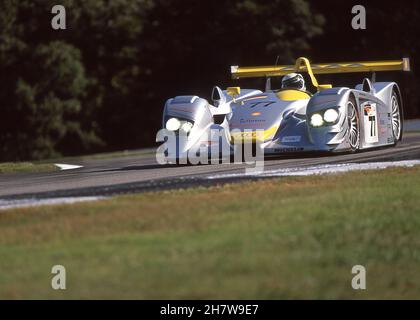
{"x":367,"y":85}
{"x":217,"y":96}
{"x":268,"y":84}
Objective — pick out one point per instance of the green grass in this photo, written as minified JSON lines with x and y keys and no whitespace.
{"x":282,"y":238}
{"x":108,"y":155}
{"x":47,"y":165}
{"x":13,"y":167}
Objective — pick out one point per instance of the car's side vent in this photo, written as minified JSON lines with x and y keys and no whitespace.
{"x":219,"y":118}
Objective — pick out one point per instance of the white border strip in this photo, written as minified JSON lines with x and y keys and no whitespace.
{"x":21,"y":203}
{"x":323,"y":169}
{"x":64,"y":166}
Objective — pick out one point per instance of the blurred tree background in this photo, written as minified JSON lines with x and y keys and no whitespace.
{"x":101,"y":84}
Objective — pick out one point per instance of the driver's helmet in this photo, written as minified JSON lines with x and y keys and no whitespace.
{"x":293,"y":81}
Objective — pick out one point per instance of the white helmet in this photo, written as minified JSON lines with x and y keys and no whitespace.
{"x":293,"y":81}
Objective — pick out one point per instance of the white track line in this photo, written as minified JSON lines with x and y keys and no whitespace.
{"x":10,"y":204}
{"x":64,"y":166}
{"x":322,"y":169}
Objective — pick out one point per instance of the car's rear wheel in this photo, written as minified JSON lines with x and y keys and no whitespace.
{"x":396,"y":117}
{"x":353,"y":125}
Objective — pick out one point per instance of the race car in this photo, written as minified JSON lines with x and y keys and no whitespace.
{"x":291,"y":119}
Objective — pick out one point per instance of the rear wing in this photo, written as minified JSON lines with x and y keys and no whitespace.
{"x":303,"y":65}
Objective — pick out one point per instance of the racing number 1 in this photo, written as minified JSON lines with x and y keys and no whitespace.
{"x":372,"y":120}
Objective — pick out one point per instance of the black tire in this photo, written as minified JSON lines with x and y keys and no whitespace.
{"x":396,"y":117}
{"x":353,"y":121}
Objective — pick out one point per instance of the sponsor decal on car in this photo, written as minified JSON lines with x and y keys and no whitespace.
{"x":382,"y":130}
{"x":248,"y":134}
{"x":251,"y":121}
{"x":294,"y":149}
{"x":291,"y":139}
{"x":370,"y":122}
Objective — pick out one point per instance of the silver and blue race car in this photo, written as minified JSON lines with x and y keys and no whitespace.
{"x":289,"y":120}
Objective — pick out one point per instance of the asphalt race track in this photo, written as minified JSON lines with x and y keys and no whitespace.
{"x":142,"y":173}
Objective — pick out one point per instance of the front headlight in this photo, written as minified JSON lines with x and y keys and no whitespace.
{"x":331,"y":115}
{"x":316,"y":120}
{"x":186,"y":126}
{"x":173,"y":124}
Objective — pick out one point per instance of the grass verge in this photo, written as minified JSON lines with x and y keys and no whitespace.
{"x":46,"y":165}
{"x":282,"y":238}
{"x":108,"y":155}
{"x":13,"y":167}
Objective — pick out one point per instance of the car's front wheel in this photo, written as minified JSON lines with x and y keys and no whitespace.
{"x":353,"y":125}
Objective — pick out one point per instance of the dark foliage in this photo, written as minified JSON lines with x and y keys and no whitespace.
{"x":101,"y":83}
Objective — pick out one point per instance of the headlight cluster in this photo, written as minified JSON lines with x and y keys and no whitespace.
{"x":329,"y":116}
{"x":174,"y":124}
